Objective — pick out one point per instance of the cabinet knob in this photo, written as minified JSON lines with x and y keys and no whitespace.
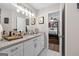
{"x":14,"y":49}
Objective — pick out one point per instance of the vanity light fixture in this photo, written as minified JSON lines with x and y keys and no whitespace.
{"x":18,"y":7}
{"x":23,"y":10}
{"x":26,"y":12}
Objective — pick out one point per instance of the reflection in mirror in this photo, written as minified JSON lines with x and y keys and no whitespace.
{"x":21,"y":24}
{"x":14,"y":19}
{"x":27,"y":21}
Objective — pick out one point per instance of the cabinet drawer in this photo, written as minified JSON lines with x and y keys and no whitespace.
{"x":13,"y":49}
{"x":37,"y":46}
{"x":27,"y":43}
{"x":29,"y":51}
{"x":4,"y":52}
{"x":29,"y":48}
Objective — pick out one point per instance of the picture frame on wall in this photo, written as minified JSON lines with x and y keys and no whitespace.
{"x":33,"y":21}
{"x":41,"y":20}
{"x":6,"y":20}
{"x":27,"y":21}
{"x":77,"y":5}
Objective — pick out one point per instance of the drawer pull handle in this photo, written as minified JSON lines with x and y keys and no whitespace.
{"x":14,"y":49}
{"x":35,"y":45}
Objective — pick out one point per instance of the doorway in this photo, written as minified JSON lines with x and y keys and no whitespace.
{"x":53,"y":26}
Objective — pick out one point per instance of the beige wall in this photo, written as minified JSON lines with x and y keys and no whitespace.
{"x":8,"y":11}
{"x":44,"y":27}
{"x":12,"y":19}
{"x":72,"y":29}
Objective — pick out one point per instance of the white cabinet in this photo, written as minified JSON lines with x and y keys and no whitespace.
{"x":41,"y":41}
{"x":16,"y":50}
{"x":34,"y":46}
{"x":29,"y":51}
{"x":29,"y":48}
{"x":4,"y":52}
{"x":38,"y":44}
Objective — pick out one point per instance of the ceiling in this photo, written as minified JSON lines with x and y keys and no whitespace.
{"x":36,"y":6}
{"x":7,"y":6}
{"x":39,"y":6}
{"x":31,"y":6}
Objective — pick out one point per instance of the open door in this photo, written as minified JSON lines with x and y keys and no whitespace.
{"x":57,"y":33}
{"x":62,"y":29}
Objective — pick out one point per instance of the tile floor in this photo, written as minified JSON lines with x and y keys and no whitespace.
{"x":49,"y":53}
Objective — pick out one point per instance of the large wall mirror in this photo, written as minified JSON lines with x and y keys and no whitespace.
{"x":12,"y":20}
{"x":21,"y":24}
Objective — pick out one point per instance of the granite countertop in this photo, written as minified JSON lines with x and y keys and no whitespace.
{"x":5,"y":43}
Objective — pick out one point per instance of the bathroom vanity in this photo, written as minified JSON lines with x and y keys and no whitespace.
{"x":29,"y":45}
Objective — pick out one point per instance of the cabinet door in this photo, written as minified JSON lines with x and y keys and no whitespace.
{"x":4,"y":53}
{"x":37,"y":46}
{"x":17,"y":50}
{"x":41,"y":41}
{"x":29,"y":51}
{"x":29,"y":48}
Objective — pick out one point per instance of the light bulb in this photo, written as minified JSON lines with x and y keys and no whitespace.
{"x":26,"y":10}
{"x":18,"y":10}
{"x":23,"y":12}
{"x":29,"y":12}
{"x":32,"y":14}
{"x":26,"y":14}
